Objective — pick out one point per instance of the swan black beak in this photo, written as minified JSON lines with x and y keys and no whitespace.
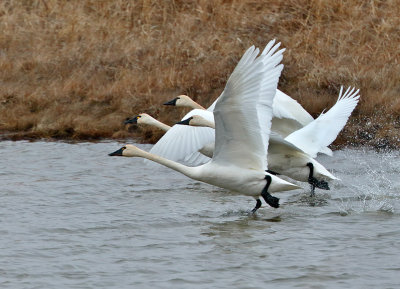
{"x":117,"y":153}
{"x":185,"y":121}
{"x":172,"y":102}
{"x":131,"y":120}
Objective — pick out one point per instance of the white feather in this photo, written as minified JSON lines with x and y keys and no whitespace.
{"x":321,"y":132}
{"x":181,"y":143}
{"x":241,"y":129}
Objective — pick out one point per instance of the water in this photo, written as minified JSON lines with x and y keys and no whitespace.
{"x":72,"y":217}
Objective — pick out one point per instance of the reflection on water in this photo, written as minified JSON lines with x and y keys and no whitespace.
{"x":72,"y":217}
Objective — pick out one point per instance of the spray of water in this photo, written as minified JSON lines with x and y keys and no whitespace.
{"x":375,"y":192}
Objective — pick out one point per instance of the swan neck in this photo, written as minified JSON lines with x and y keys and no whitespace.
{"x":192,"y":104}
{"x":187,"y":171}
{"x":195,"y":105}
{"x":161,"y":125}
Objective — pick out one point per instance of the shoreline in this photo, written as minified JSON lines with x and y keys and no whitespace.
{"x":364,"y":140}
{"x":75,"y":70}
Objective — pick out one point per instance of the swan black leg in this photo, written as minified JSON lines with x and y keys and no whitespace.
{"x":312,"y":193}
{"x":314,"y":182}
{"x":258,"y":205}
{"x":271,"y":200}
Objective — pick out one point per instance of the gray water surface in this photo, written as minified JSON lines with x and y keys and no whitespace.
{"x":73,"y":217}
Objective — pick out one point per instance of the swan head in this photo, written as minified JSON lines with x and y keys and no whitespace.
{"x":142,"y":118}
{"x":197,"y":120}
{"x":184,"y":101}
{"x":127,"y":151}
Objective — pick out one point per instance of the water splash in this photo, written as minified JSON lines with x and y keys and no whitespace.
{"x":375,"y":192}
{"x":365,"y":204}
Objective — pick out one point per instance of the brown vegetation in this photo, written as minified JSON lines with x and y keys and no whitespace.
{"x":76,"y":69}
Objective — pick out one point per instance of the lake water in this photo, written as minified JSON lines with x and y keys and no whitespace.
{"x":73,"y":217}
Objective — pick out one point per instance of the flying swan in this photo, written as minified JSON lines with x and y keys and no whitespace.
{"x":241,"y":133}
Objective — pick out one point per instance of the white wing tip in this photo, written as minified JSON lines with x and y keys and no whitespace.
{"x":349,"y":93}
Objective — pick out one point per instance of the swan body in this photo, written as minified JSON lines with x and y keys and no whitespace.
{"x":239,"y":163}
{"x":287,"y":159}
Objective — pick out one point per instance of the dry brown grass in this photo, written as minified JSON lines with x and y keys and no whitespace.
{"x":76,"y":69}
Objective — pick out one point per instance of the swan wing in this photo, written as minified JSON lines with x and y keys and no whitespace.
{"x":286,"y":107}
{"x":276,"y":141}
{"x":243,"y":112}
{"x":181,"y":143}
{"x":288,"y":114}
{"x":326,"y":151}
{"x":321,"y":132}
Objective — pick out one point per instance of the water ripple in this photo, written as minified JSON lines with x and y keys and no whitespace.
{"x":72,"y":217}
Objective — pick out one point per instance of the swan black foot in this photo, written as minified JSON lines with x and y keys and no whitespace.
{"x":317,"y":184}
{"x":271,"y":200}
{"x":258,"y":205}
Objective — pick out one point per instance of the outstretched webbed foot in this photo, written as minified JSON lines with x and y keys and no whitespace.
{"x":317,"y":184}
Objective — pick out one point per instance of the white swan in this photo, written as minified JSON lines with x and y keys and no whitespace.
{"x":284,"y":158}
{"x":241,"y":142}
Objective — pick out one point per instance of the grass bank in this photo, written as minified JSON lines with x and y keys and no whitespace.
{"x":76,"y":69}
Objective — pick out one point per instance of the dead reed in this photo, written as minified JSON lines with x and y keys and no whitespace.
{"x":77,"y":69}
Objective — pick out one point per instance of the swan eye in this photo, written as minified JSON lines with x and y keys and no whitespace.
{"x":123,"y":148}
{"x":139,"y":116}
